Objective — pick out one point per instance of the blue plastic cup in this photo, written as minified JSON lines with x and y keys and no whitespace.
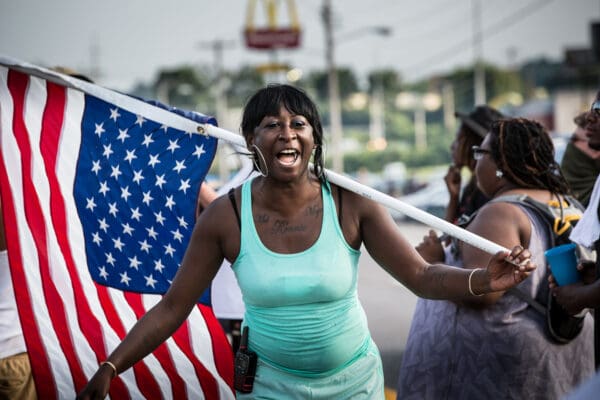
{"x":563,"y":263}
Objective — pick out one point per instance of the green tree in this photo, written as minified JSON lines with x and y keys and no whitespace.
{"x":318,"y":81}
{"x":242,"y":84}
{"x":388,"y":79}
{"x":181,"y":87}
{"x":497,"y":82}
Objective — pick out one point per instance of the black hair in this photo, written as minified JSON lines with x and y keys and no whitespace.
{"x":268,"y":102}
{"x":524,"y":152}
{"x":474,"y":126}
{"x":581,"y":119}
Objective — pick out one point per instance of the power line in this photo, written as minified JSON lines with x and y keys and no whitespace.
{"x":416,"y":18}
{"x":492,"y":30}
{"x":439,"y":31}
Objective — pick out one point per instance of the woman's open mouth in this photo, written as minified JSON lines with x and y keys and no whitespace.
{"x":288,"y":156}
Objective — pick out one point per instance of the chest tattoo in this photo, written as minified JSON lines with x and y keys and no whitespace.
{"x":314,"y":211}
{"x":283,"y":227}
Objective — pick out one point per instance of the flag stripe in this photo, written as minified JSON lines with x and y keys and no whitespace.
{"x":17,"y":84}
{"x":57,"y":266}
{"x":51,"y":128}
{"x":147,"y":376}
{"x":34,"y":105}
{"x":161,"y":351}
{"x":33,"y":340}
{"x":182,"y":338}
{"x":118,"y":388}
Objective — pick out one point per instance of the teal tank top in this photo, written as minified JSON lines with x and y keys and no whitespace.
{"x":302,"y":309}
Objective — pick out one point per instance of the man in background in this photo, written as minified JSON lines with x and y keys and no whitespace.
{"x":581,"y":164}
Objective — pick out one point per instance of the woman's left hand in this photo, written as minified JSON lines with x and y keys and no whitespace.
{"x":508,"y":270}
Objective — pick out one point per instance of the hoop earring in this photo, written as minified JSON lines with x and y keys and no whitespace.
{"x":318,"y":166}
{"x":257,"y":163}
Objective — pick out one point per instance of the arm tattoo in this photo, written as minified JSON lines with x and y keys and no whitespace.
{"x":438,"y":278}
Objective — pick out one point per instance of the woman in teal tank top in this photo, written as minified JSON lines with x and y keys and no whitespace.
{"x":293,"y":241}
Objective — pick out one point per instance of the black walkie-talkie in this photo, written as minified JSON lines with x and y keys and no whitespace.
{"x":244,"y":366}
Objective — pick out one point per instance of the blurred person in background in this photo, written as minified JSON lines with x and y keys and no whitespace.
{"x":586,"y":294}
{"x":581,"y":163}
{"x":16,"y":379}
{"x":473,"y":128}
{"x":462,"y":201}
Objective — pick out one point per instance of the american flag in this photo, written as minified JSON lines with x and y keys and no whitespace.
{"x":98,"y":195}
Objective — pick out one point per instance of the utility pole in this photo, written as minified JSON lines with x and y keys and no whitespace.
{"x":478,"y":65}
{"x":448,"y":104}
{"x":376,"y":112}
{"x":95,"y":73}
{"x":218,"y":46}
{"x":335,"y":111}
{"x":420,"y":126}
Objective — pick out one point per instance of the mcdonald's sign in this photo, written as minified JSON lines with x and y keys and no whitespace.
{"x":272,"y":36}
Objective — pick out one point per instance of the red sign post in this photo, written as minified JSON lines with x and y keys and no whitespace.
{"x":266,"y":38}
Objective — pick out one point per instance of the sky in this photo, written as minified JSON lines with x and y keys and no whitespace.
{"x":120,"y":43}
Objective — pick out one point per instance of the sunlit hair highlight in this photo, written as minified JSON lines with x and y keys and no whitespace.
{"x":524,"y":152}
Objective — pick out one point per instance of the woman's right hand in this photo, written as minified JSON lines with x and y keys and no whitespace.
{"x":587,"y":272}
{"x":98,"y":386}
{"x":453,"y":179}
{"x":431,"y":248}
{"x":575,"y":297}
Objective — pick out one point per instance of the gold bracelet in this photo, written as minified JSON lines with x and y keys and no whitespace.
{"x":470,"y":288}
{"x":111,"y":365}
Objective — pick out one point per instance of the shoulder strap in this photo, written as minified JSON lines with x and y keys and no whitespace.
{"x":340,"y":206}
{"x":537,"y":207}
{"x":546,"y":216}
{"x":560,"y":215}
{"x":231,"y":195}
{"x":539,"y":307}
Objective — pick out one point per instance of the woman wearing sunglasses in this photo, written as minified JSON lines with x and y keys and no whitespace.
{"x":494,"y":346}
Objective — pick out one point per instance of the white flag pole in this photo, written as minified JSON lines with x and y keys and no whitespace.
{"x":415,"y":213}
{"x":384,"y":199}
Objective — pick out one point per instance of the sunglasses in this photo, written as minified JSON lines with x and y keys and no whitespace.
{"x":595,"y":108}
{"x":478,"y":152}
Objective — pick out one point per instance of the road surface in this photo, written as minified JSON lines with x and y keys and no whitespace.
{"x":389,"y":305}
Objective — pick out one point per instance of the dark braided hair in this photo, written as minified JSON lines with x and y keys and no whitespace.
{"x":268,"y":102}
{"x":524,"y":152}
